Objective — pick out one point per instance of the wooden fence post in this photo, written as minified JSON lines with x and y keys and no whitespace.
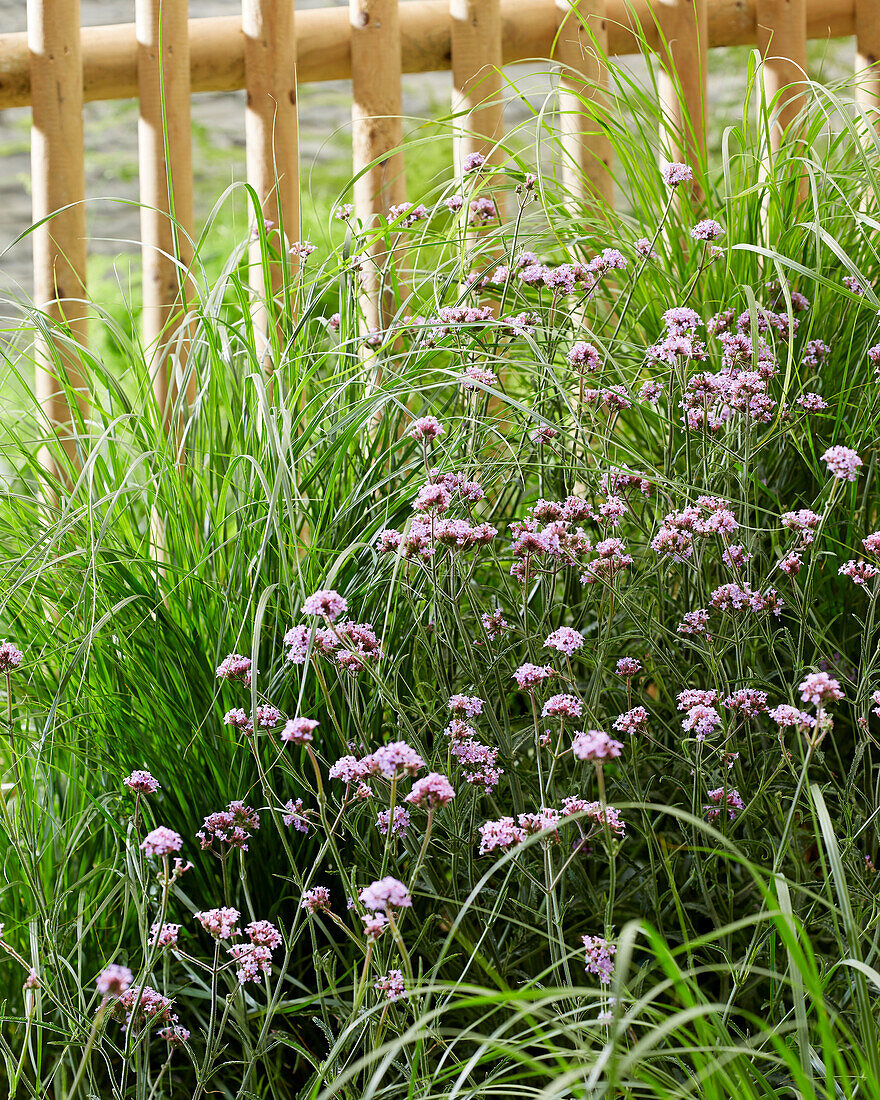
{"x":782,"y":40}
{"x":682,"y":81}
{"x":58,"y":182}
{"x":377,"y":134}
{"x":476,"y":78}
{"x":586,"y":173}
{"x":868,"y":58}
{"x":166,"y":186}
{"x":271,"y":133}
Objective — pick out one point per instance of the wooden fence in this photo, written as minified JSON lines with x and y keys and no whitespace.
{"x":164,"y":58}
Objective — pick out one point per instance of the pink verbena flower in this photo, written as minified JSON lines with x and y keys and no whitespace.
{"x":295,"y":816}
{"x":748,"y":701}
{"x":729,"y":799}
{"x":470,"y":706}
{"x":503,"y":834}
{"x":803,"y":521}
{"x":786,"y":717}
{"x":235,"y":669}
{"x":842,"y":462}
{"x":425,"y":427}
{"x":232,"y":826}
{"x":820,"y":689}
{"x":221,"y":923}
{"x":113,"y":980}
{"x":374,"y":925}
{"x":316,"y":899}
{"x":392,"y":985}
{"x":859,"y":572}
{"x":633,"y":721}
{"x":384,"y":894}
{"x":393,"y":758}
{"x":628,"y":667}
{"x":693,"y":697}
{"x":791,"y":564}
{"x":253,"y":962}
{"x":595,"y":745}
{"x":432,"y":790}
{"x":528,"y":676}
{"x":677,"y":173}
{"x":644,"y":248}
{"x":565,"y":640}
{"x":694,"y":622}
{"x":299,"y":730}
{"x":138,"y":1008}
{"x":707,"y":230}
{"x":599,"y":957}
{"x":872,"y":542}
{"x":263,"y":933}
{"x":162,"y":842}
{"x":473,"y":162}
{"x":701,"y":720}
{"x":141,"y":783}
{"x":585,"y":357}
{"x":326,"y":602}
{"x":175,"y":1035}
{"x":875,"y":699}
{"x":164,"y":935}
{"x":562,"y":706}
{"x":400,"y":825}
{"x":349,"y":769}
{"x":10,"y":657}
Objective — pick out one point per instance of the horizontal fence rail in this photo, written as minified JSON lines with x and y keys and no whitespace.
{"x":165,"y":57}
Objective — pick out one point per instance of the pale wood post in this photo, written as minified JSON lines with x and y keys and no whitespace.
{"x":476,"y":78}
{"x":271,"y":133}
{"x":587,"y":154}
{"x":682,"y":79}
{"x":377,"y":133}
{"x":868,"y":57}
{"x":58,"y":184}
{"x":782,"y":40}
{"x":166,"y":187}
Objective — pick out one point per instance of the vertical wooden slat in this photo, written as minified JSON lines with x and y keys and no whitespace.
{"x":58,"y":181}
{"x":682,"y":78}
{"x":476,"y":78}
{"x":586,"y":149}
{"x":868,"y":57}
{"x":782,"y":40}
{"x":166,"y":183}
{"x":377,"y":131}
{"x":271,"y":129}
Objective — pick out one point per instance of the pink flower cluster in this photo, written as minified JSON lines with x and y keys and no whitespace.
{"x":232,"y":827}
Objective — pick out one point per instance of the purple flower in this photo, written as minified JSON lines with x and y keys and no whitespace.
{"x":393,"y":758}
{"x":392,"y":985}
{"x":432,"y":790}
{"x":10,"y":657}
{"x":235,"y":669}
{"x":141,"y":783}
{"x":707,"y":230}
{"x":374,"y":925}
{"x":730,"y":799}
{"x":221,"y":923}
{"x":253,"y":962}
{"x":470,"y":706}
{"x":326,"y":602}
{"x":677,"y":173}
{"x":528,"y":676}
{"x":316,"y":899}
{"x":400,"y":825}
{"x":343,"y":212}
{"x":162,"y":842}
{"x":384,"y":894}
{"x":820,"y":689}
{"x":565,"y":640}
{"x":562,"y":706}
{"x":262,"y":933}
{"x":585,"y":357}
{"x":842,"y":462}
{"x":599,"y":957}
{"x":633,"y":721}
{"x":628,"y":667}
{"x":299,"y":730}
{"x":503,"y":834}
{"x":164,"y":935}
{"x":295,"y":816}
{"x":860,"y":572}
{"x":473,"y":162}
{"x":786,"y":716}
{"x":231,"y":826}
{"x":644,"y":248}
{"x":113,"y":980}
{"x":482,"y":210}
{"x":595,"y":745}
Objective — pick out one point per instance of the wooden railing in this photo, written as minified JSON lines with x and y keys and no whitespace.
{"x":164,"y":58}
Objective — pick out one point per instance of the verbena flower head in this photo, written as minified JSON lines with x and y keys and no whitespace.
{"x":843,"y":463}
{"x":787,"y":717}
{"x":677,"y":173}
{"x":139,"y":1007}
{"x":707,"y":230}
{"x":316,"y":899}
{"x":468,"y":706}
{"x":374,"y":925}
{"x":473,"y":162}
{"x":384,"y":894}
{"x":599,"y":957}
{"x":400,"y":824}
{"x":10,"y":657}
{"x":562,"y":706}
{"x":392,"y":985}
{"x":585,"y":357}
{"x":633,"y":721}
{"x":872,"y":543}
{"x":595,"y":745}
{"x":141,"y":783}
{"x":262,"y":933}
{"x":628,"y":667}
{"x":232,"y":826}
{"x":295,"y":816}
{"x":299,"y":730}
{"x":528,"y":676}
{"x":820,"y":689}
{"x":426,"y":427}
{"x":393,"y":759}
{"x":221,"y":923}
{"x":113,"y":980}
{"x":164,"y":935}
{"x":502,"y":834}
{"x":235,"y":669}
{"x":326,"y":602}
{"x":432,"y":790}
{"x":565,"y":640}
{"x":253,"y":962}
{"x":859,"y":572}
{"x":162,"y":842}
{"x":728,"y":799}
